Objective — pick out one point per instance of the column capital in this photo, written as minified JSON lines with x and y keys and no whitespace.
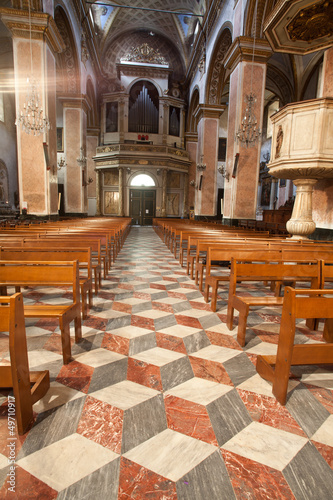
{"x":78,"y":101}
{"x":191,"y":136}
{"x":242,"y":50}
{"x":43,"y":27}
{"x":209,"y":111}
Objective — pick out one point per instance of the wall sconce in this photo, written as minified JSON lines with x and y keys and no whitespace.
{"x":222,"y":170}
{"x":128,"y":170}
{"x":192,"y":183}
{"x":61,"y":163}
{"x":89,"y":181}
{"x":201,"y":166}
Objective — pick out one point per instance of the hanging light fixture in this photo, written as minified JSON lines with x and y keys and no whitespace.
{"x":249,"y":132}
{"x":31,"y":118}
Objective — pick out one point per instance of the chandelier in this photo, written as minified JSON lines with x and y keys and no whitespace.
{"x":32,"y":118}
{"x":249,"y":132}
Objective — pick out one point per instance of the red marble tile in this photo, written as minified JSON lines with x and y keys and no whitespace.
{"x":311,"y":334}
{"x":188,"y":321}
{"x":166,"y":278}
{"x":252,"y":358}
{"x":144,"y":374}
{"x":268,"y":411}
{"x":171,"y":343}
{"x":142,"y":322}
{"x":106,"y":295}
{"x":252,"y":480}
{"x":271,"y":338}
{"x":162,"y":307}
{"x":200,"y":305}
{"x":139,"y":483}
{"x":177,"y":295}
{"x":223,"y":340}
{"x":209,"y":370}
{"x":76,"y":375}
{"x":324,"y":396}
{"x":157,"y":286}
{"x":27,"y":487}
{"x":116,"y":344}
{"x":141,"y":295}
{"x":270,"y":318}
{"x":125,"y":286}
{"x":96,"y":323}
{"x":48,"y":324}
{"x":189,"y":418}
{"x":119,"y":306}
{"x":53,"y":343}
{"x":223,"y":318}
{"x":326,"y":452}
{"x":102,"y":423}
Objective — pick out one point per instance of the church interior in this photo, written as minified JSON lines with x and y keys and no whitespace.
{"x":131,"y":133}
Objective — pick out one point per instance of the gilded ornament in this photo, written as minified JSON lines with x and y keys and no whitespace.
{"x":312,"y":22}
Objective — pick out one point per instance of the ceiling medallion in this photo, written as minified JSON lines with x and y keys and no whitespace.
{"x":145,"y":54}
{"x":312,"y":23}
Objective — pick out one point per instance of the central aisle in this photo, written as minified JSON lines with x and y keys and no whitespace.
{"x":162,"y":403}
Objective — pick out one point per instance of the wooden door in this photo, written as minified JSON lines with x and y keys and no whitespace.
{"x":142,"y":206}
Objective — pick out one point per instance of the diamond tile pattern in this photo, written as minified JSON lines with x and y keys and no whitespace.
{"x":161,"y":402}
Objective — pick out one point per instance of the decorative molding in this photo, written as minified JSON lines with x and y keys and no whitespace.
{"x":209,"y":111}
{"x":216,"y":79}
{"x":145,"y":54}
{"x":242,"y":50}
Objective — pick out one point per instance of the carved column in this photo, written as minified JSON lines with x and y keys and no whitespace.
{"x":301,"y":224}
{"x":164,"y":191}
{"x":98,"y":193}
{"x":248,"y":74}
{"x":121,"y":192}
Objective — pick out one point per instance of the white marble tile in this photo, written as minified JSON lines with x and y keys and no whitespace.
{"x":98,"y":357}
{"x":170,"y":300}
{"x":40,"y":357}
{"x":183,"y":290}
{"x":216,"y":353}
{"x":325,"y":432}
{"x":110,"y":314}
{"x":170,"y":454}
{"x":3,"y":461}
{"x":150,"y":291}
{"x":320,"y":378}
{"x":131,"y":332}
{"x":199,"y":390}
{"x":166,"y":282}
{"x":260,"y":386}
{"x":266,"y":445}
{"x":125,"y":394}
{"x":194,"y":313}
{"x":180,"y":331}
{"x":153,"y":314}
{"x":57,"y":395}
{"x":222,"y":328}
{"x":267,"y":327}
{"x":158,"y":356}
{"x":132,"y":301}
{"x":65,"y":462}
{"x":263,"y":348}
{"x":35,"y":331}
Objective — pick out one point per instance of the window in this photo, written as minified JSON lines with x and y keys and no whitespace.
{"x":111,"y":117}
{"x":174,"y":121}
{"x":142,"y":180}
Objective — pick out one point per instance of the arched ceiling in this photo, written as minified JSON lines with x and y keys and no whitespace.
{"x":167,"y":25}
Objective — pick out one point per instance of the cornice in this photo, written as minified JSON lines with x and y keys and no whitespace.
{"x":78,"y":101}
{"x":42,"y":26}
{"x":243,"y":49}
{"x":209,"y":111}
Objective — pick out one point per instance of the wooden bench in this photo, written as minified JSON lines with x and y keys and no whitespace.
{"x":280,"y":270}
{"x":48,"y":274}
{"x":28,"y":387}
{"x":298,"y":304}
{"x":83,"y":255}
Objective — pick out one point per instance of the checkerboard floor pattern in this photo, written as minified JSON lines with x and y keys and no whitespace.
{"x":161,"y":402}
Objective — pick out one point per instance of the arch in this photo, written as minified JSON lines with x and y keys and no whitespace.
{"x":216,"y":73}
{"x":192,"y":122}
{"x":142,"y":180}
{"x":68,"y":69}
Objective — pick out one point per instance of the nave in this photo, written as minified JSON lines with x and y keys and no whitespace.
{"x":161,"y":402}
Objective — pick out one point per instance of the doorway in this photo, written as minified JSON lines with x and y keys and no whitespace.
{"x":142,"y":206}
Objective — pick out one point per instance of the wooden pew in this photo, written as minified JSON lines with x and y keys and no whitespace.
{"x":83,"y":255}
{"x":298,"y":304}
{"x":28,"y":387}
{"x":48,"y":274}
{"x":280,"y":270}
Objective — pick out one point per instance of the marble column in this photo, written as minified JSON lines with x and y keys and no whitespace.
{"x":37,"y":175}
{"x":92,"y":143}
{"x":121,"y":192}
{"x":248,"y":74}
{"x":191,"y":147}
{"x":208,"y":117}
{"x":164,"y":191}
{"x":98,"y":192}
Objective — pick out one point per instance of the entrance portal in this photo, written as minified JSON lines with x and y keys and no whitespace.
{"x":142,"y":206}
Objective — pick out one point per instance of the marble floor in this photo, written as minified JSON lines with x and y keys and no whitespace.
{"x":160,"y":402}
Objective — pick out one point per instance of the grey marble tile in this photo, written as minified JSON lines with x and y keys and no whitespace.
{"x":195,"y":342}
{"x":228,"y":416}
{"x":135,"y":428}
{"x":209,"y":321}
{"x":109,"y":374}
{"x":240,"y":368}
{"x":181,"y":306}
{"x":142,"y":343}
{"x":119,"y":322}
{"x":145,"y":306}
{"x":165,"y":322}
{"x":208,"y":480}
{"x":309,"y":475}
{"x":51,"y":426}
{"x":306,"y":409}
{"x":103,"y":483}
{"x":176,"y":373}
